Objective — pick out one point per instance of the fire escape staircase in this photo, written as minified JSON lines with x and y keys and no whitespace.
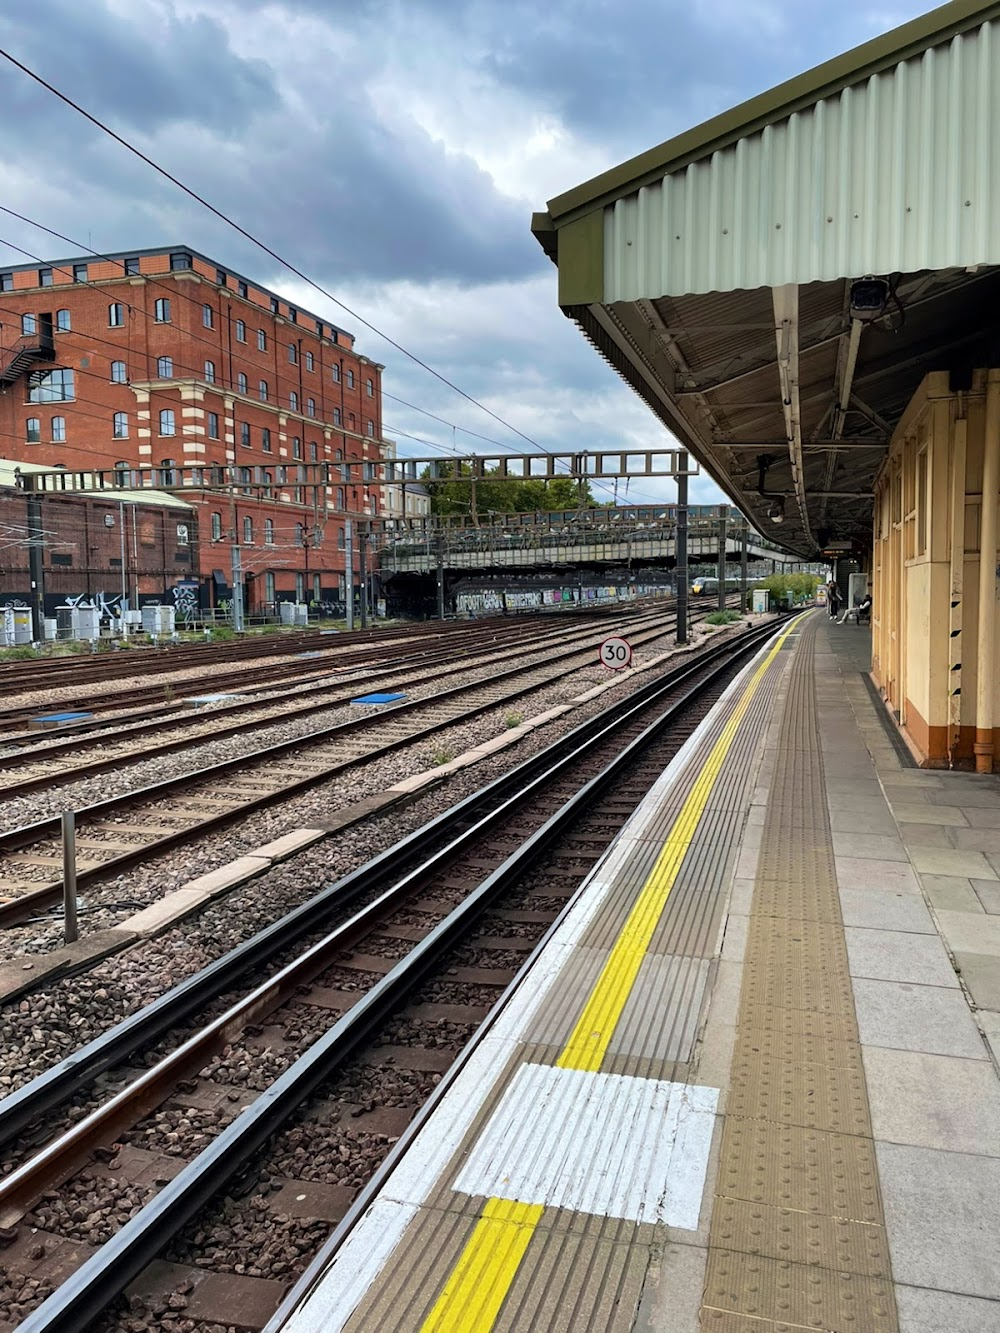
{"x":19,"y":359}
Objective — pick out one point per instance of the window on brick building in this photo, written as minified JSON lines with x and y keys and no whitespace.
{"x":371,"y":429}
{"x":59,"y":430}
{"x":216,"y":527}
{"x":119,"y":372}
{"x":248,"y":529}
{"x":336,"y":373}
{"x":341,"y":543}
{"x":213,"y":425}
{"x":116,"y":314}
{"x":274,"y":305}
{"x":313,"y":451}
{"x":370,"y":388}
{"x":311,"y":406}
{"x":300,"y":535}
{"x":6,"y":282}
{"x":242,"y":289}
{"x":293,"y":314}
{"x":336,"y":416}
{"x":161,"y":310}
{"x":221,"y":277}
{"x":168,"y":424}
{"x":245,"y":434}
{"x":270,"y":591}
{"x":293,"y":353}
{"x":121,"y":426}
{"x":265,"y":439}
{"x":45,"y":277}
{"x":350,"y":379}
{"x":122,"y":473}
{"x":208,"y":316}
{"x":296,"y":447}
{"x":268,"y":531}
{"x":168,"y":477}
{"x":293,"y":401}
{"x":29,"y":324}
{"x":164,"y":367}
{"x":319,"y":327}
{"x":180,"y":260}
{"x":310,"y":361}
{"x":241,"y":382}
{"x":281,"y":472}
{"x":51,"y":386}
{"x":209,"y":372}
{"x":63,"y":321}
{"x":241,"y":331}
{"x":261,"y":341}
{"x":245,"y":479}
{"x":79,"y":272}
{"x":340,"y":497}
{"x":33,"y":430}
{"x":262,"y":390}
{"x":131,"y":267}
{"x":182,"y":535}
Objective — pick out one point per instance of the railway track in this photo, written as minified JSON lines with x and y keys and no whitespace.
{"x":58,"y":760}
{"x":118,"y":833}
{"x":339,"y":656}
{"x":353,"y":1032}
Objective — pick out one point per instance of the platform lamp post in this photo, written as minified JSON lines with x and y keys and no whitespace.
{"x":723,"y":514}
{"x":681,"y":547}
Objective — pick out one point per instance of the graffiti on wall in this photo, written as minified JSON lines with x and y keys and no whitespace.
{"x":186,"y":600}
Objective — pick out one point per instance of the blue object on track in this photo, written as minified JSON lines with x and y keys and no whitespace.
{"x":378,"y":698}
{"x":60,"y":719}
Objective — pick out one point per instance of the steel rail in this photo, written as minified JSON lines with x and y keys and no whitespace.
{"x":89,"y":1290}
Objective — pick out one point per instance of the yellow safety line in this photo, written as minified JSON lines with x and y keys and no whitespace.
{"x":472,"y":1296}
{"x":478,"y":1286}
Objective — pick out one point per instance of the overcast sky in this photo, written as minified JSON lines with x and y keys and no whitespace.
{"x":394,"y":152}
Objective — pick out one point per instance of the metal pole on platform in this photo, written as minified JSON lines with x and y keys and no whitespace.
{"x":723,"y":511}
{"x":743,"y":569}
{"x":237,"y":576}
{"x":440,"y":575}
{"x":68,"y":822}
{"x":349,"y":562}
{"x":36,"y":565}
{"x":681,"y":547}
{"x":363,"y":571}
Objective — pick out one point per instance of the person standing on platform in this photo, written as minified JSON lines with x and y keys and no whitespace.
{"x":833,"y":599}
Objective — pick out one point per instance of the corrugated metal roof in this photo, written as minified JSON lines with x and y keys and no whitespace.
{"x":901,"y":172}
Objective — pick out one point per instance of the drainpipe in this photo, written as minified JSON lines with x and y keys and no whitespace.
{"x":986,"y":654}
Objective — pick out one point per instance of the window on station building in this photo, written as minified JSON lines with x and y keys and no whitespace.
{"x":274,"y":305}
{"x":164,"y":367}
{"x":33,"y":430}
{"x":161,"y":310}
{"x":310,"y":361}
{"x":293,"y":353}
{"x":216,"y":527}
{"x":116,"y":314}
{"x":51,"y":386}
{"x":370,"y":388}
{"x":241,"y":331}
{"x":341,"y":542}
{"x":245,"y":434}
{"x":265,"y":439}
{"x":131,"y":266}
{"x":350,"y":379}
{"x":119,"y":372}
{"x":209,"y":372}
{"x":261,"y":340}
{"x":168,"y":425}
{"x":370,"y":425}
{"x":45,"y":277}
{"x":319,"y":327}
{"x":313,"y":451}
{"x":59,"y":430}
{"x":268,"y":531}
{"x":213,"y":425}
{"x":6,"y":282}
{"x":79,"y":272}
{"x":29,"y":324}
{"x":120,"y":428}
{"x":248,"y":529}
{"x":262,"y":391}
{"x":208,"y":316}
{"x":296,"y":447}
{"x":270,"y":591}
{"x":335,"y":372}
{"x":242,"y":289}
{"x":336,"y":416}
{"x":293,"y":314}
{"x":168,"y":477}
{"x":311,"y":407}
{"x":122,"y":477}
{"x":293,"y":401}
{"x":180,"y":260}
{"x":63,"y":321}
{"x":241,"y":383}
{"x":300,"y":535}
{"x":221,"y":277}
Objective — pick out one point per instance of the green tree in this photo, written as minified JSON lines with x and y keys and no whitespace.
{"x":496,"y":494}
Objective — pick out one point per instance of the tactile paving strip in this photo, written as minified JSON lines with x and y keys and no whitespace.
{"x":797,"y":1237}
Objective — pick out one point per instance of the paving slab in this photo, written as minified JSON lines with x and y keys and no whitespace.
{"x":952,"y":893}
{"x":987,"y":895}
{"x":909,"y":1017}
{"x":943,"y":1217}
{"x":885,"y":911}
{"x":968,"y":933}
{"x":863,"y":821}
{"x":925,"y":1311}
{"x":981,"y":975}
{"x":936,"y":861}
{"x":855,"y":872}
{"x":891,"y":955}
{"x":933,"y":1101}
{"x":906,"y":812}
{"x":990,"y":1024}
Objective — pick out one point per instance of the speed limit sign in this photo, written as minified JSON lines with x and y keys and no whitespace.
{"x":616,"y":654}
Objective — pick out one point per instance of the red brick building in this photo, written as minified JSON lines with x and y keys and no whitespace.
{"x":161,"y":358}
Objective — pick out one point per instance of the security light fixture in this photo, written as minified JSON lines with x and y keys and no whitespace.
{"x":776,"y":512}
{"x":869,"y":298}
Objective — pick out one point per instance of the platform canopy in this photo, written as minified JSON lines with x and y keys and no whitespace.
{"x":723,"y":274}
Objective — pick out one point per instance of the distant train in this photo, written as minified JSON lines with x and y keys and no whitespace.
{"x":705,"y":587}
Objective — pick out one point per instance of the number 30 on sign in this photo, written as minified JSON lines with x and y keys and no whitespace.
{"x":616,"y":654}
